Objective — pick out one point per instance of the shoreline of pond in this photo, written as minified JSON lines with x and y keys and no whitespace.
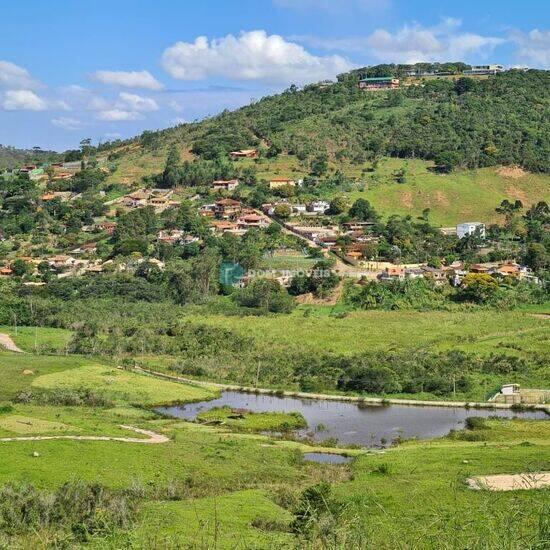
{"x":375,"y":401}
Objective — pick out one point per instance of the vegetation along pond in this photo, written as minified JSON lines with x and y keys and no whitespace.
{"x":352,"y":423}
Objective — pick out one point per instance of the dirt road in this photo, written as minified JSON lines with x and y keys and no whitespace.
{"x":153,"y":437}
{"x":7,"y":343}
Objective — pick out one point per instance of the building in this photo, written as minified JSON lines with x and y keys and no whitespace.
{"x":392,"y":274}
{"x":276,"y":183}
{"x":225,"y":185}
{"x":226,"y":209}
{"x":244,"y":153}
{"x":252,"y":220}
{"x":318,"y":207}
{"x":484,"y":69}
{"x":469,"y":228}
{"x":108,"y":227}
{"x":299,"y":208}
{"x":379,"y":83}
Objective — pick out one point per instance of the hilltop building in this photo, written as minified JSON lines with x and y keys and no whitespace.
{"x":379,"y":83}
{"x":484,"y":69}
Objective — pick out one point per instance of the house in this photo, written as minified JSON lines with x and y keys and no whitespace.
{"x":5,"y":271}
{"x":299,"y":208}
{"x":244,"y":153}
{"x":207,"y":210}
{"x":484,"y":70}
{"x":470,"y":228}
{"x":61,"y":260}
{"x":227,"y":208}
{"x":479,"y":268}
{"x":379,"y":83}
{"x":392,"y":274}
{"x":224,"y":226}
{"x":225,"y":185}
{"x":509,"y":389}
{"x":63,"y":196}
{"x":318,"y":207}
{"x":268,"y":208}
{"x":414,"y":273}
{"x":252,"y":220}
{"x":108,"y":227}
{"x":438,"y":276}
{"x":136,"y":199}
{"x":276,"y":183}
{"x":87,"y":248}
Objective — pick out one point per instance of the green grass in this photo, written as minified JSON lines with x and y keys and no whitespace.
{"x":123,"y":386}
{"x":480,"y":331}
{"x":208,"y":487}
{"x":215,"y":522}
{"x":15,"y":375}
{"x":38,"y":338}
{"x":453,"y":198}
{"x":241,"y":420}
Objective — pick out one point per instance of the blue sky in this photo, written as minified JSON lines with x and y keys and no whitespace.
{"x":109,"y":69}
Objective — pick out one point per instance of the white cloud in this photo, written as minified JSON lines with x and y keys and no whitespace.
{"x":23,"y":100}
{"x":118,"y":115}
{"x":67,"y":123}
{"x":128,"y":79}
{"x":413,"y":43}
{"x":533,"y":47}
{"x":14,"y":76}
{"x":134,"y":102}
{"x":252,"y":55}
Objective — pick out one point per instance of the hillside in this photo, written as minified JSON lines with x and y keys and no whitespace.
{"x":450,"y":137}
{"x":10,"y":157}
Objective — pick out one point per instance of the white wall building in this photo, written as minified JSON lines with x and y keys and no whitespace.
{"x":469,"y":228}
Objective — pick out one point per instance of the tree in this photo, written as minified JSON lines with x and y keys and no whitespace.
{"x":265,"y":294}
{"x":478,"y":287}
{"x":339,"y":205}
{"x":170,"y":175}
{"x":319,"y":165}
{"x":537,"y":256}
{"x":19,"y":268}
{"x":283,"y":211}
{"x":464,"y":85}
{"x":362,"y":210}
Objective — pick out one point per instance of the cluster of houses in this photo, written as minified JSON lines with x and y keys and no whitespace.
{"x":392,"y":83}
{"x":159,"y":199}
{"x":454,"y":273}
{"x":231,"y":216}
{"x":313,"y":208}
{"x":55,"y":171}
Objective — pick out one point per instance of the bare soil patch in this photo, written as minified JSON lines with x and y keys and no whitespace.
{"x":511,"y":482}
{"x":513,"y":172}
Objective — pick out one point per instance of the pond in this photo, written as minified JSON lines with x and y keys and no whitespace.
{"x":352,"y":423}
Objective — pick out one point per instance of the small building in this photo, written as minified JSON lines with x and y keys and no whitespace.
{"x":299,"y":208}
{"x":484,"y":70}
{"x":379,"y":83}
{"x":392,"y":274}
{"x":469,"y":228}
{"x":244,"y":153}
{"x":6,"y":271}
{"x":225,"y":185}
{"x":108,"y":227}
{"x":276,"y":183}
{"x":318,"y":207}
{"x":509,"y":389}
{"x":252,"y":220}
{"x":227,"y":209}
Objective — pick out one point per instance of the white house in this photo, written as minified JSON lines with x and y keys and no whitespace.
{"x":299,"y":208}
{"x":469,"y":228}
{"x":319,"y":207}
{"x":485,"y":69}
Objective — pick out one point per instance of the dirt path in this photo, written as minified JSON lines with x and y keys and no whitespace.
{"x":511,"y":482}
{"x":8,"y":343}
{"x":153,"y":438}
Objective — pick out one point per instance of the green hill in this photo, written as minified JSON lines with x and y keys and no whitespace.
{"x":463,"y":127}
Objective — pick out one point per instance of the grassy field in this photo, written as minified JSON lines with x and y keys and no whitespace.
{"x":316,"y":328}
{"x":122,"y":386}
{"x":253,"y":422}
{"x":460,"y":196}
{"x":211,"y":488}
{"x":38,"y":338}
